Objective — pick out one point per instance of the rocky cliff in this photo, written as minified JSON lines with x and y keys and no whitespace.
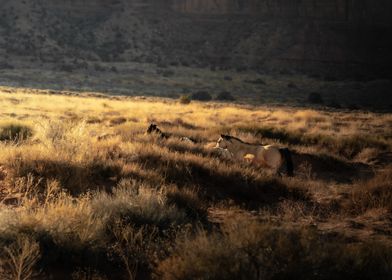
{"x":350,"y":36}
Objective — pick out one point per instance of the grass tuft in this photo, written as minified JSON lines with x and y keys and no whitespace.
{"x":15,"y":132}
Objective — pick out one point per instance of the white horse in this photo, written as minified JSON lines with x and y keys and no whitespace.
{"x":269,"y":156}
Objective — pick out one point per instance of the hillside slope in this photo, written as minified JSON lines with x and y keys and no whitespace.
{"x":318,"y":36}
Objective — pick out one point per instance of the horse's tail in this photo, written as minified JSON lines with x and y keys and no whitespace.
{"x":285,"y":152}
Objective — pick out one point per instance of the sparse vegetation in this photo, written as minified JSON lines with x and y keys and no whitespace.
{"x":82,"y":184}
{"x":184,"y":99}
{"x":251,"y":250}
{"x":14,"y":131}
{"x":201,"y":96}
{"x":315,"y":98}
{"x":225,"y":96}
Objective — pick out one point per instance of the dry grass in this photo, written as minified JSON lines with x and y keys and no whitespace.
{"x":82,"y":184}
{"x":373,"y":194}
{"x":251,"y":250}
{"x":20,"y":258}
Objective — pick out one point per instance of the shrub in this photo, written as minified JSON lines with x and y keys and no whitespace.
{"x":98,"y":67}
{"x":118,"y":121}
{"x":22,"y":255}
{"x":67,"y":68}
{"x":292,"y":85}
{"x":201,"y":96}
{"x":334,"y":104}
{"x":187,"y":200}
{"x":66,"y":153}
{"x":166,"y":73}
{"x":184,"y":99}
{"x":14,"y":132}
{"x":251,"y":250}
{"x":375,"y":193}
{"x":257,"y":81}
{"x":225,"y":96}
{"x":315,"y":98}
{"x":139,"y":206}
{"x":134,"y":247}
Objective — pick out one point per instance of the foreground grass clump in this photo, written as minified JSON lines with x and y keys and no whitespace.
{"x":375,"y":193}
{"x":65,"y":152}
{"x":20,"y":258}
{"x":14,"y":132}
{"x":261,"y":251}
{"x":112,"y":227}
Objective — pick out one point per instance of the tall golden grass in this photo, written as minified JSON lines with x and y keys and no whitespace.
{"x":83,"y":187}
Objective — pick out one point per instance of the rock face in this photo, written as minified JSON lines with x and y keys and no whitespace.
{"x":327,"y":36}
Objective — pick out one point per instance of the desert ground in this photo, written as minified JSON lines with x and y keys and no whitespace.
{"x":86,"y":194}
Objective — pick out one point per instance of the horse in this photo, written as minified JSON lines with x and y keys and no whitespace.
{"x":268,"y":156}
{"x":153,"y":128}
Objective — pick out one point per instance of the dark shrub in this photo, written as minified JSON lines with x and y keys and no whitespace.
{"x":227,"y":78}
{"x":168,"y":73}
{"x":291,"y":85}
{"x":225,"y":96}
{"x":257,"y":81}
{"x":315,"y":98}
{"x":14,"y":132}
{"x":162,"y":64}
{"x":98,"y":67}
{"x":6,"y":65}
{"x":334,"y":104}
{"x":353,"y":107}
{"x":67,"y":68}
{"x":201,"y":96}
{"x":184,"y":99}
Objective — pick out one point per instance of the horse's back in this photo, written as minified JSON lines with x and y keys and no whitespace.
{"x":271,"y":155}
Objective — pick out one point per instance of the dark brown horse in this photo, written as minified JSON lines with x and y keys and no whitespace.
{"x":153,"y":129}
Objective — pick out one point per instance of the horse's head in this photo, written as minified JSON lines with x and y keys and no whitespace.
{"x":152,"y":128}
{"x":224,"y":142}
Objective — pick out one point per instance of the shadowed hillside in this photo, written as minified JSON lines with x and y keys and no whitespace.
{"x":319,"y":36}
